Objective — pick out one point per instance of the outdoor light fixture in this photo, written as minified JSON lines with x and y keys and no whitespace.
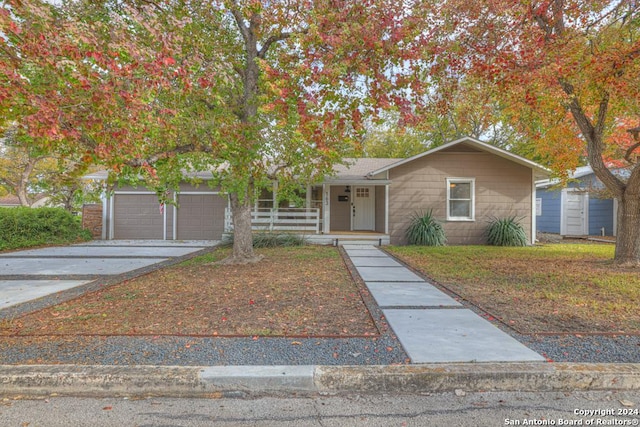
{"x":347,"y":190}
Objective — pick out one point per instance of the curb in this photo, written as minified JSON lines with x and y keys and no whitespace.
{"x":244,"y":381}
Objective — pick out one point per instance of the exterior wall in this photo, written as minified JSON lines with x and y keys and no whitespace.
{"x":92,"y":219}
{"x":502,"y":188}
{"x":600,"y":210}
{"x":380,"y":208}
{"x":600,"y":215}
{"x":340,"y":211}
{"x":549,"y":221}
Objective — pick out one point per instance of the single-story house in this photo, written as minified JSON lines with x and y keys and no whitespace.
{"x":9,"y":201}
{"x":465,"y":182}
{"x":578,"y":209}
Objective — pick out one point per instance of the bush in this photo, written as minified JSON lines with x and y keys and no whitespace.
{"x":506,"y":232}
{"x":425,"y":230}
{"x":270,"y":240}
{"x":24,"y":227}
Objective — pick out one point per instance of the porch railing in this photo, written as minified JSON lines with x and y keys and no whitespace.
{"x":295,"y":220}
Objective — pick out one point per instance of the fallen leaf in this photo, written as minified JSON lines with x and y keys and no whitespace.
{"x":107,"y":408}
{"x":296,"y":343}
{"x":625,"y":402}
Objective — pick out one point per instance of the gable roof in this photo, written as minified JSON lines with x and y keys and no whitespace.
{"x":582,"y":172}
{"x":540,"y":171}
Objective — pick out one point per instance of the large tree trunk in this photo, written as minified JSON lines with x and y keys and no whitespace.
{"x":628,"y":233}
{"x":242,"y":236}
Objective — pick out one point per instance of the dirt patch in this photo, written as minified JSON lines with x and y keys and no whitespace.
{"x":301,"y":291}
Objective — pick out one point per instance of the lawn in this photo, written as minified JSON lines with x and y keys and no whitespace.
{"x":309,"y":292}
{"x":553,"y":288}
{"x":300,"y":291}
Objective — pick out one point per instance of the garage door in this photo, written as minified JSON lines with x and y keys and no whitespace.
{"x":137,"y":216}
{"x":200,"y":216}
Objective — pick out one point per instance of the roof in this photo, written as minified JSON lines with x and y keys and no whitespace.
{"x":540,"y":171}
{"x":361,"y":168}
{"x":9,"y":200}
{"x":364,"y":169}
{"x":581,"y":172}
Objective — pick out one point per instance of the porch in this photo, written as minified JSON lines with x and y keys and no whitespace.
{"x":307,"y":223}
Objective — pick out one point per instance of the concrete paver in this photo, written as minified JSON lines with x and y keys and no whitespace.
{"x":72,"y":266}
{"x":14,"y":292}
{"x":431,"y":326}
{"x":409,"y":294}
{"x":388,"y":274}
{"x":439,"y":336}
{"x":374,"y":262}
{"x":27,"y":275}
{"x":101,"y":251}
{"x":365,"y":252}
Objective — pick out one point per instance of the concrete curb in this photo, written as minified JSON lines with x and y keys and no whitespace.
{"x":241,"y":381}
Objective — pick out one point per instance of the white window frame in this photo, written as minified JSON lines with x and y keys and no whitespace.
{"x":472,"y":182}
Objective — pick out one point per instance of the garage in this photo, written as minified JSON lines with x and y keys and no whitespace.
{"x":137,"y":216}
{"x":200,"y":216}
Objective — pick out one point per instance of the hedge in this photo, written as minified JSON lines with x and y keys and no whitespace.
{"x":25,"y":227}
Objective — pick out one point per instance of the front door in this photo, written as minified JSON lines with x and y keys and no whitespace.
{"x":575,"y":214}
{"x":363,"y":209}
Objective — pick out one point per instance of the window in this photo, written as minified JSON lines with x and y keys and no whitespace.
{"x":460,"y":199}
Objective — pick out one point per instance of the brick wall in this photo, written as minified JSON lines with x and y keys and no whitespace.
{"x":92,"y":219}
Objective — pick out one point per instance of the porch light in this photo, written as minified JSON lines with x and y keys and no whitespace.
{"x":348,"y":189}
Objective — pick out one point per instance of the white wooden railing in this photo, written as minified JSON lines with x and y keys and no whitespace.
{"x":295,"y":220}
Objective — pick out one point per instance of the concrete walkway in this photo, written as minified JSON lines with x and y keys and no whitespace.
{"x":33,"y":273}
{"x":432,"y":326}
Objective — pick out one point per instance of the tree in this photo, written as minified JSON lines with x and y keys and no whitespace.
{"x":568,"y":74}
{"x":21,"y":169}
{"x":260,"y":90}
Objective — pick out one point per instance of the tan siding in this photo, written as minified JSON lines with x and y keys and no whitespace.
{"x":502,"y":188}
{"x":340,"y":219}
{"x":380,"y":204}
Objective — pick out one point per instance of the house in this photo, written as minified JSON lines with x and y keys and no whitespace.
{"x":465,"y":182}
{"x":580,"y":208}
{"x":9,"y":201}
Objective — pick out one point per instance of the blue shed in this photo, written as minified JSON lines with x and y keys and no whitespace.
{"x":579,"y":209}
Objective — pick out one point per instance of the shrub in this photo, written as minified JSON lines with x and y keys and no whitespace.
{"x":270,"y":240}
{"x":506,"y":232}
{"x":425,"y":230}
{"x":24,"y":227}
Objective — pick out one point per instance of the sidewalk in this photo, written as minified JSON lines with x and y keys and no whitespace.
{"x":432,"y":327}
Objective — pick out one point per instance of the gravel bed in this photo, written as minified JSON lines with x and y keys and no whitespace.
{"x":586,"y":349}
{"x":188,"y":351}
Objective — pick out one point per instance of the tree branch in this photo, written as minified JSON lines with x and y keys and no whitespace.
{"x":593,"y":136}
{"x":166,"y":154}
{"x":271,"y":40}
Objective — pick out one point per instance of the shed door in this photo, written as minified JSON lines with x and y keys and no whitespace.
{"x":575,"y":214}
{"x":200,"y":216}
{"x":137,"y":216}
{"x":364,"y":208}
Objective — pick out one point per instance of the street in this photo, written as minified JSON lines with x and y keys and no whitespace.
{"x":443,"y":409}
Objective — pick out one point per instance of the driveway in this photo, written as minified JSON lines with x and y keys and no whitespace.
{"x":63,"y":272}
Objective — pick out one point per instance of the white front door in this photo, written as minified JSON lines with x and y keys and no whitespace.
{"x":363,"y":208}
{"x":575,"y":217}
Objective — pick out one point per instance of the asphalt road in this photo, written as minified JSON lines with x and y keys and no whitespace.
{"x":445,"y":409}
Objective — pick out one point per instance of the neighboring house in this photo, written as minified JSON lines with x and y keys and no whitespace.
{"x":580,"y":208}
{"x":9,"y":201}
{"x":465,"y":182}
